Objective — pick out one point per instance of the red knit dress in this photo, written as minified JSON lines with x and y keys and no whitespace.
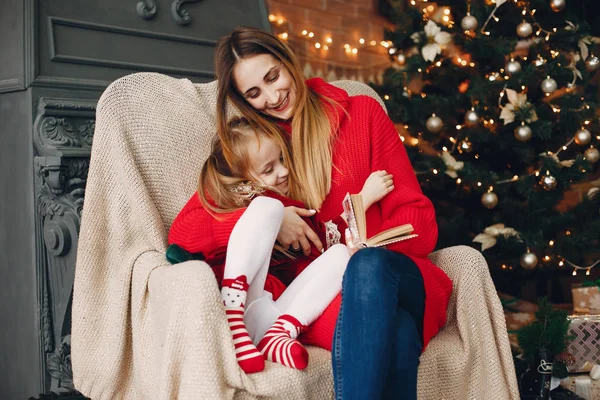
{"x":197,"y":231}
{"x":367,"y":141}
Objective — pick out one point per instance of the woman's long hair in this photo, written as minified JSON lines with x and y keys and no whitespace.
{"x":311,"y":127}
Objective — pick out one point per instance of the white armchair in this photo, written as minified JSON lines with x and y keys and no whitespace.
{"x":142,"y":328}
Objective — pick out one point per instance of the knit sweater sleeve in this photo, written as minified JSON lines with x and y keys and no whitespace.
{"x":198,"y":231}
{"x":406,"y":204}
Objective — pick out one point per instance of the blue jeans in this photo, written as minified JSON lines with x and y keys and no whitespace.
{"x":378,"y":336}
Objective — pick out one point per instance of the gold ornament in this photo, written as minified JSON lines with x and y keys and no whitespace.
{"x":592,"y":155}
{"x":592,"y":63}
{"x":548,"y":182}
{"x":549,"y":85}
{"x":489,"y":200}
{"x":557,"y":5}
{"x":401,"y":58}
{"x":469,"y":23}
{"x":528,"y":260}
{"x":434,"y":124}
{"x":465,"y":147}
{"x":471,"y":118}
{"x":583,"y":137}
{"x":513,"y":67}
{"x":523,"y":133}
{"x":524,"y":29}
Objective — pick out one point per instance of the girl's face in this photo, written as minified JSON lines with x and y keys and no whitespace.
{"x":266,"y":163}
{"x":266,"y":84}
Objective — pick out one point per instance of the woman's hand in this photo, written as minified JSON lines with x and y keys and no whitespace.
{"x":352,"y":247}
{"x":377,"y":185}
{"x":295,"y":232}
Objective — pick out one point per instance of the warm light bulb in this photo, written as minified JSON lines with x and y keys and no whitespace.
{"x":304,"y":32}
{"x":329,"y":40}
{"x":272,"y":17}
{"x":318,"y":45}
{"x":361,"y":41}
{"x":458,"y":181}
{"x":551,"y":243}
{"x":310,"y":34}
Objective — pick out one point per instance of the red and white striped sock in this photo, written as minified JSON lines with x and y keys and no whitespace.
{"x":280,"y":345}
{"x":233,"y":293}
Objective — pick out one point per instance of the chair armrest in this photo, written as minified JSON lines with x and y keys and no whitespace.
{"x":182,"y":331}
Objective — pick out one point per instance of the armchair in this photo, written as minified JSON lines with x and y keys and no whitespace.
{"x":142,"y":328}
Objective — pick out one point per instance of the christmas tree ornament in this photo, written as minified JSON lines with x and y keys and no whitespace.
{"x":488,"y":237}
{"x":593,"y":192}
{"x":548,"y":182}
{"x":465,"y":146}
{"x":549,"y":85}
{"x":513,"y":67}
{"x":469,"y":23}
{"x":524,"y":29}
{"x":583,"y":137}
{"x":528,"y":260}
{"x":405,"y":92}
{"x":592,"y":63}
{"x":489,"y":200}
{"x":401,"y":58}
{"x":592,"y":155}
{"x":451,"y":164}
{"x":434,"y":124}
{"x":471,"y":118}
{"x":557,"y":5}
{"x":523,"y":132}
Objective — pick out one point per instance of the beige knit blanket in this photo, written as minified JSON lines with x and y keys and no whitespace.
{"x":145,"y":329}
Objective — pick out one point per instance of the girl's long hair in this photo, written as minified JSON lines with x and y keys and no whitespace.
{"x":227,"y":185}
{"x":312,"y":129}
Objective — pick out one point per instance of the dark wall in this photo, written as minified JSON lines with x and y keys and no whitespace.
{"x":11,"y":51}
{"x":20,"y":365}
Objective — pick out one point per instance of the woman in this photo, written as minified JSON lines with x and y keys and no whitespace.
{"x":337,"y":141}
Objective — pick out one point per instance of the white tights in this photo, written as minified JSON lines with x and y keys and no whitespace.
{"x":249,"y":253}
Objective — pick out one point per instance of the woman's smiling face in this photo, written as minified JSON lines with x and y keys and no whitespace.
{"x":266,"y":85}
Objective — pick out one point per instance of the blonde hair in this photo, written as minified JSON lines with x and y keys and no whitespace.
{"x":312,"y":129}
{"x":228,"y":185}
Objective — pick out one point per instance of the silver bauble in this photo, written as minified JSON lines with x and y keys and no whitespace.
{"x":549,"y":85}
{"x":524,"y":29}
{"x":548,"y":182}
{"x":557,"y":5}
{"x":523,"y":133}
{"x":465,"y":147}
{"x":434,"y":124}
{"x":592,"y":155}
{"x":583,"y":137}
{"x":592,"y":63}
{"x":401,"y":58}
{"x":593,"y":192}
{"x":513,"y":67}
{"x":489,"y":200}
{"x":471,"y":118}
{"x":469,"y":23}
{"x":528,"y":260}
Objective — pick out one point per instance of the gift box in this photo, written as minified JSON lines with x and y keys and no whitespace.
{"x":585,"y":342}
{"x":586,"y":297}
{"x":583,"y":385}
{"x":518,"y":313}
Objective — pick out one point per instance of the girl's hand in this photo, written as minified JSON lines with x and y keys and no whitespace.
{"x":295,"y":232}
{"x":377,"y":185}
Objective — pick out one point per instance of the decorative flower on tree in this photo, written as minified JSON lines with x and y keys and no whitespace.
{"x":436,"y":39}
{"x":451,"y":164}
{"x":489,"y":235}
{"x":517,"y":106}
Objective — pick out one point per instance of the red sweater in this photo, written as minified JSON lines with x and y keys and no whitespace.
{"x":367,"y":141}
{"x":197,"y":231}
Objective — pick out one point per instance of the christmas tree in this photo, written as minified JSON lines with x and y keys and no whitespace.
{"x":494,"y":103}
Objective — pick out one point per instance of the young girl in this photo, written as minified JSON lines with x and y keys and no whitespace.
{"x":235,"y":217}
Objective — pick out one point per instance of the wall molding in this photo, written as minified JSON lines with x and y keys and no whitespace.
{"x":179,"y":14}
{"x":11,"y":85}
{"x":73,"y":59}
{"x":146,"y":9}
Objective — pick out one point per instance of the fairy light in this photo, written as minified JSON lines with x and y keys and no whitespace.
{"x":328,"y":40}
{"x":354,"y":50}
{"x":386,"y":97}
{"x":547,"y":258}
{"x":561,"y":263}
{"x":373,"y":43}
{"x":280,"y":21}
{"x":311,"y":34}
{"x":361,"y":41}
{"x":304,"y":32}
{"x":435,"y":171}
{"x":479,"y":184}
{"x":318,"y":45}
{"x":458,"y":181}
{"x":551,"y":243}
{"x":272,"y":17}
{"x":326,"y":48}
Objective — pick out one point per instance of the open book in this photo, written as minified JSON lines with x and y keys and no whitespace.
{"x":354,"y":212}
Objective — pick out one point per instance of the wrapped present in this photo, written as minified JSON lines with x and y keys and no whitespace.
{"x":517,"y":313}
{"x":585,"y":344}
{"x":583,"y":385}
{"x":586,"y":297}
